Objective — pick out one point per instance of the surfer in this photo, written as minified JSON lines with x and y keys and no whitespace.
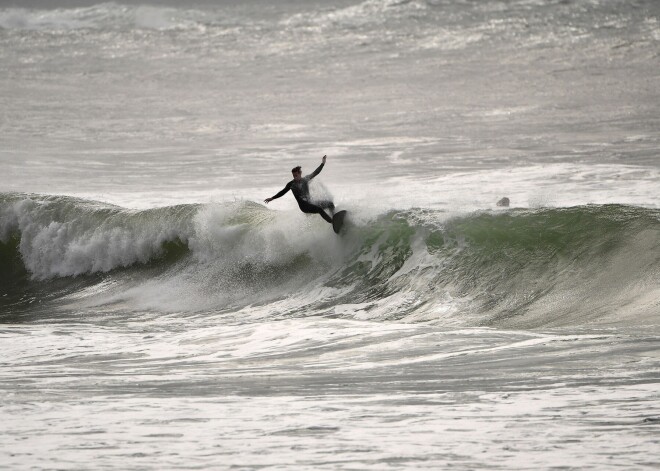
{"x":299,"y":186}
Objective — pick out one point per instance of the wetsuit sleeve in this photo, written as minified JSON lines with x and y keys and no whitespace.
{"x":281,"y":193}
{"x":315,"y":172}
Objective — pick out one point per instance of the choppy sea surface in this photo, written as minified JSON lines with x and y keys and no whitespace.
{"x":155,"y":314}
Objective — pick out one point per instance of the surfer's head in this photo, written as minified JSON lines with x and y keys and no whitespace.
{"x":297,"y":173}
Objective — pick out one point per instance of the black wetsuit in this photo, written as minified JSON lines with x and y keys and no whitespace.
{"x":300,"y":190}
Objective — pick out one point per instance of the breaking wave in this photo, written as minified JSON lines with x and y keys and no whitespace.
{"x":513,"y":268}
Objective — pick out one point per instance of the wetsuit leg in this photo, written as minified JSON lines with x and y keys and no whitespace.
{"x":310,"y":208}
{"x":326,"y":205}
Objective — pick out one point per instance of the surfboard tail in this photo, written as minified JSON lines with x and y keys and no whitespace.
{"x":338,"y":221}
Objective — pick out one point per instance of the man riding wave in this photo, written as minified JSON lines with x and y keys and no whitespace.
{"x":299,"y":186}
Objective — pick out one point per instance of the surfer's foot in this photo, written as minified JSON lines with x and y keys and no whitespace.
{"x":325,"y":216}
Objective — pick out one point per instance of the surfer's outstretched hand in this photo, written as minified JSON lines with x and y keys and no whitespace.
{"x":324,"y":157}
{"x":268,"y":200}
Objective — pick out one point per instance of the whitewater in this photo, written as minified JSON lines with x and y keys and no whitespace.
{"x":156,"y":314}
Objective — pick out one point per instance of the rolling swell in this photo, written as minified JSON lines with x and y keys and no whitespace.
{"x":531,"y":268}
{"x":514,"y":269}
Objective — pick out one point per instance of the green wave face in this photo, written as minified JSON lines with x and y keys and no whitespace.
{"x":514,"y":268}
{"x":551,"y":266}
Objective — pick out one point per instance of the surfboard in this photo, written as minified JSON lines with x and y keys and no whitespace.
{"x":338,"y":221}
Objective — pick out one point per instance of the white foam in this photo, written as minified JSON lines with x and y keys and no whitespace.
{"x":238,"y":254}
{"x":56,"y":241}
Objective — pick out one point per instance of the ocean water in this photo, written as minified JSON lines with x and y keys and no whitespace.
{"x":156,"y":314}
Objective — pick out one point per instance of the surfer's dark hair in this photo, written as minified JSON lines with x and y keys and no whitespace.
{"x":296,"y":169}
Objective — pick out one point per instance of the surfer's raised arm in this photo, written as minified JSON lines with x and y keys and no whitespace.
{"x":318,"y":169}
{"x":278,"y":195}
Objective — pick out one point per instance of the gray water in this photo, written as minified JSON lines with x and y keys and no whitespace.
{"x":154,"y":314}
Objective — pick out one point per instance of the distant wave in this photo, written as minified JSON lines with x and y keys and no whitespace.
{"x":108,"y":15}
{"x":412,"y":25}
{"x":361,"y":14}
{"x":111,"y":15}
{"x":516,"y":268}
